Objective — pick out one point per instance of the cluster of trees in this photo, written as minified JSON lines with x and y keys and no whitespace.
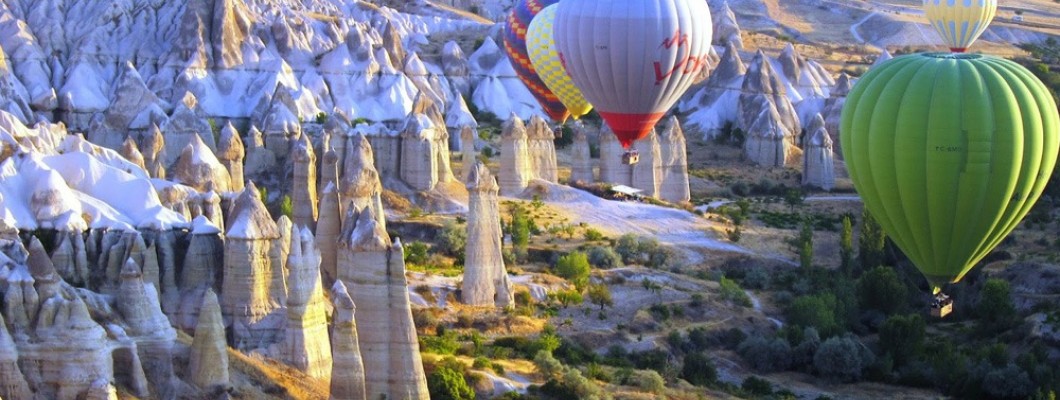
{"x":828,"y":314}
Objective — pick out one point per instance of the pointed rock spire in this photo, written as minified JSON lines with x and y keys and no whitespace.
{"x":208,"y":364}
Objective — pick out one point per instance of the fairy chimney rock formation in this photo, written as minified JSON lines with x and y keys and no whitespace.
{"x":13,"y":383}
{"x":485,"y":279}
{"x":259,"y":160}
{"x":647,"y":173}
{"x":612,"y":170}
{"x":766,"y":144}
{"x":153,"y":150}
{"x":541,"y":150}
{"x":208,"y":363}
{"x":470,"y":157}
{"x":360,"y":186}
{"x":674,"y":186}
{"x":347,"y":378}
{"x":306,"y":346}
{"x":581,"y":158}
{"x":231,"y":153}
{"x":516,"y":170}
{"x":726,"y":30}
{"x":419,"y":162}
{"x":187,"y":121}
{"x":304,"y":184}
{"x":818,"y":167}
{"x":131,"y":153}
{"x":197,"y":166}
{"x":248,"y":299}
{"x":374,"y":267}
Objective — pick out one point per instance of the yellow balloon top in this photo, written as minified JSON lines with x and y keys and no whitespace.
{"x":960,"y":22}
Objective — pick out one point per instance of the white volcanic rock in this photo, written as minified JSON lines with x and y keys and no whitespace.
{"x":458,"y":116}
{"x":360,"y":186}
{"x":250,"y":265}
{"x":541,"y":150}
{"x":304,"y":183}
{"x":327,"y":231}
{"x":203,"y":268}
{"x":716,"y":104}
{"x":347,"y":377}
{"x":70,"y":258}
{"x":259,"y":160}
{"x":387,"y":337}
{"x":198,"y":166}
{"x":231,"y":153}
{"x":485,"y":279}
{"x":468,"y":153}
{"x":581,"y":160}
{"x":153,"y":148}
{"x":674,"y":185}
{"x":455,"y":66}
{"x":12,"y":383}
{"x":833,"y":110}
{"x":818,"y":168}
{"x":767,"y":144}
{"x":516,"y":170}
{"x":208,"y":363}
{"x":281,"y":123}
{"x":882,"y":58}
{"x":804,"y":77}
{"x":131,"y":153}
{"x":646,"y":174}
{"x":306,"y":346}
{"x":726,"y":30}
{"x":612,"y":170}
{"x":419,"y":167}
{"x":131,"y":101}
{"x":497,"y":89}
{"x":186,"y":122}
{"x":761,"y":79}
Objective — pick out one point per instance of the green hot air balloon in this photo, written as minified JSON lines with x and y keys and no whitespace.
{"x":949,"y":152}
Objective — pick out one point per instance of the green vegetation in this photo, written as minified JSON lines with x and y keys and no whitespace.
{"x":446,"y":383}
{"x":574,"y":267}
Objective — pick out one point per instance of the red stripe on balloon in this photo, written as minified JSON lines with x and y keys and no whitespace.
{"x":631,"y":127}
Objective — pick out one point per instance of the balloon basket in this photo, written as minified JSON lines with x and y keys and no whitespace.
{"x":630,"y":157}
{"x":941,"y":305}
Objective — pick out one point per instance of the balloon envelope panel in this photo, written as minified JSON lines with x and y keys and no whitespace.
{"x":541,"y":46}
{"x":515,"y":47}
{"x":960,"y":22}
{"x":632,"y":59}
{"x":949,"y":152}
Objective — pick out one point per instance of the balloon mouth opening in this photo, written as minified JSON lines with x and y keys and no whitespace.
{"x":954,"y":56}
{"x":958,"y":49}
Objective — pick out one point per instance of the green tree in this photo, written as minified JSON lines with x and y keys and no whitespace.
{"x":649,"y":381}
{"x":600,"y":295}
{"x":842,"y":359}
{"x":628,"y":248}
{"x":574,"y":267}
{"x":453,"y":239}
{"x":816,"y":311}
{"x":881,"y":290}
{"x":846,"y":248}
{"x":793,"y":198}
{"x":757,"y":386}
{"x":416,"y":253}
{"x":604,"y":257}
{"x":286,"y":206}
{"x":699,"y":370}
{"x":766,"y":355}
{"x":902,"y":336}
{"x":870,"y":242}
{"x":520,"y":230}
{"x":995,"y":308}
{"x":445,"y":383}
{"x":731,"y":291}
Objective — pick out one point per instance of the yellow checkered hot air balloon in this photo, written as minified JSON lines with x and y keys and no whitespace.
{"x":960,"y":22}
{"x":542,"y":50}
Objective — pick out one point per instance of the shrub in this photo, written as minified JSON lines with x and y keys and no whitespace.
{"x":575,"y":268}
{"x":881,"y":289}
{"x":453,"y":239}
{"x":286,"y":206}
{"x":416,"y":253}
{"x":757,"y":386}
{"x":995,"y":308}
{"x":443,"y":343}
{"x":816,"y":311}
{"x":902,"y":336}
{"x":1009,"y":382}
{"x":842,"y":359}
{"x":600,"y":295}
{"x":649,"y":381}
{"x":567,"y":297}
{"x":766,"y":355}
{"x":603,"y":257}
{"x":446,"y":383}
{"x":731,"y":292}
{"x":482,"y":363}
{"x":699,"y":370}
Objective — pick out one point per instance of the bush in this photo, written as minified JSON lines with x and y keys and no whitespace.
{"x":756,"y":386}
{"x":1009,"y":382}
{"x":593,"y":235}
{"x":816,"y":311}
{"x":575,"y":268}
{"x":453,"y":239}
{"x":649,"y":381}
{"x":756,"y":278}
{"x":902,"y":337}
{"x":446,"y":383}
{"x":995,"y":308}
{"x":604,"y":257}
{"x":699,"y":370}
{"x":286,"y":206}
{"x":416,"y":253}
{"x":628,"y":248}
{"x":443,"y":343}
{"x":881,"y":289}
{"x":842,"y":359}
{"x":567,"y":297}
{"x":731,"y":292}
{"x":600,"y":295}
{"x":766,"y":355}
